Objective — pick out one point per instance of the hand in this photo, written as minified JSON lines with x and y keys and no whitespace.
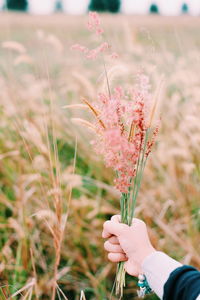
{"x":127,"y":243}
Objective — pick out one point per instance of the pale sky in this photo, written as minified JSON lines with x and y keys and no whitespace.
{"x":166,"y":7}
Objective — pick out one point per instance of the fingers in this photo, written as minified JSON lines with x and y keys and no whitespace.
{"x":113,"y":228}
{"x":107,"y":234}
{"x":113,"y":240}
{"x":117,"y":257}
{"x":136,"y":221}
{"x":116,"y":218}
{"x":112,"y":248}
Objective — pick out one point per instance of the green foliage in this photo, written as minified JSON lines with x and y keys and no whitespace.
{"x":154,"y":9}
{"x":185,"y":8}
{"x":112,"y":6}
{"x":17,"y":4}
{"x":97,"y":5}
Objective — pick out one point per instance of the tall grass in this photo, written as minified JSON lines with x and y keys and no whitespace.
{"x":54,"y":192}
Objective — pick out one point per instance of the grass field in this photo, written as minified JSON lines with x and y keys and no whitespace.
{"x":55,"y":193}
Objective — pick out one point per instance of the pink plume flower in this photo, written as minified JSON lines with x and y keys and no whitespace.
{"x":114,"y":55}
{"x":94,"y":23}
{"x":121,"y":119}
{"x":121,"y":139}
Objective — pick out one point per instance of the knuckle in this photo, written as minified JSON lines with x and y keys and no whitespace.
{"x":142,"y":223}
{"x":139,"y":222}
{"x":114,"y":217}
{"x":106,"y":245}
{"x":110,"y":257}
{"x":106,"y":223}
{"x":124,"y":227}
{"x":114,"y":248}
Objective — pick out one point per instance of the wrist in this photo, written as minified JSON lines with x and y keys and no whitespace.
{"x":144,"y":253}
{"x":134,"y":264}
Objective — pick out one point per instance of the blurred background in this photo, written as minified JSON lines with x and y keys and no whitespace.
{"x":55,"y":192}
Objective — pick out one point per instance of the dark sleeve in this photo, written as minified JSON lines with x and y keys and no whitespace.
{"x":182,"y":284}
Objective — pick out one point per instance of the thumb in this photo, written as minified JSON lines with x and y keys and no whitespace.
{"x":113,"y":228}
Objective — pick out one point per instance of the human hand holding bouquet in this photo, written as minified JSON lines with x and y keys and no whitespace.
{"x":127,"y":243}
{"x":126,"y":128}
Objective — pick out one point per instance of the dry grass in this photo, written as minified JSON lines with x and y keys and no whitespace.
{"x":55,"y":194}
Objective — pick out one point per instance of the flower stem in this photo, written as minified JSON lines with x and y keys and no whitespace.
{"x":127,"y":211}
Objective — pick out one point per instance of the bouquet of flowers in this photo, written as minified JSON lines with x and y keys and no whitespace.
{"x":126,"y":127}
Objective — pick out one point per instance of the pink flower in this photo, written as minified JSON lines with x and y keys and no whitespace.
{"x":114,"y":55}
{"x":99,"y":31}
{"x":92,"y":54}
{"x":94,"y":23}
{"x":121,"y":119}
{"x":121,"y":139}
{"x":79,"y":48}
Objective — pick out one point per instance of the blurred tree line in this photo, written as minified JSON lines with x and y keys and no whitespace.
{"x":112,"y":6}
{"x":95,"y":5}
{"x":17,"y":4}
{"x":105,"y":5}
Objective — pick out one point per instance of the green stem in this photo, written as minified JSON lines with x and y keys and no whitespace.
{"x":127,"y":210}
{"x":124,"y":207}
{"x":139,"y":174}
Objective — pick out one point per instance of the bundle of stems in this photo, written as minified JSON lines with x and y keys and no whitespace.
{"x":125,"y":129}
{"x":127,"y":205}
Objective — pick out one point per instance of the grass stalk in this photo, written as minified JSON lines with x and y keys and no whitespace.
{"x":126,"y":215}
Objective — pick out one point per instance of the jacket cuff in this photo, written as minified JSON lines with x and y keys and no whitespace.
{"x":157,"y":268}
